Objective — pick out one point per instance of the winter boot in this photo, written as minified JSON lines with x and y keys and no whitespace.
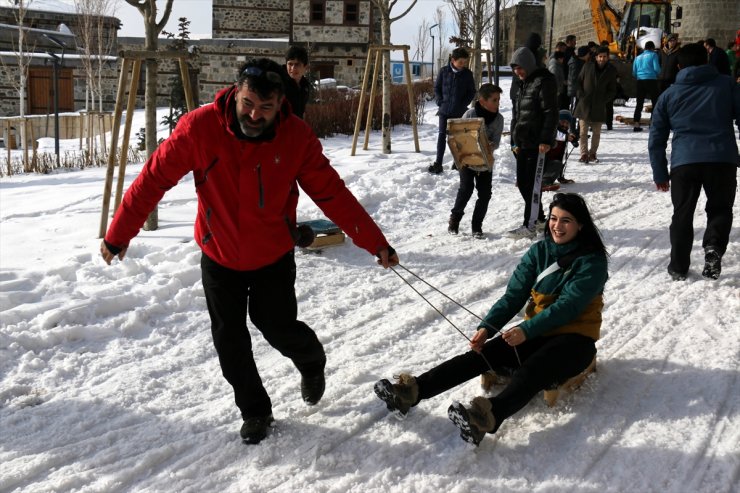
{"x":475,"y":421}
{"x":584,"y":158}
{"x":712,"y":264}
{"x":254,"y":429}
{"x":435,"y":168}
{"x":453,"y":227}
{"x":398,"y":397}
{"x":677,"y":276}
{"x":312,"y":388}
{"x":592,"y":157}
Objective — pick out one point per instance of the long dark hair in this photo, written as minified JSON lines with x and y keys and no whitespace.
{"x":589,"y":237}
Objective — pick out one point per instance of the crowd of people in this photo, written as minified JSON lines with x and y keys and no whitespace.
{"x":250,"y":150}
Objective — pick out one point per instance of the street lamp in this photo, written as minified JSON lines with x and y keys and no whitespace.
{"x":55,"y":82}
{"x":432,"y":35}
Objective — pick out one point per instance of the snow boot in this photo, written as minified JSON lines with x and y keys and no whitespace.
{"x":312,"y":388}
{"x":435,"y":168}
{"x":592,"y":157}
{"x":473,"y":422}
{"x":254,"y":429}
{"x":712,"y":264}
{"x":676,"y":276}
{"x":453,"y":227}
{"x":398,"y":397}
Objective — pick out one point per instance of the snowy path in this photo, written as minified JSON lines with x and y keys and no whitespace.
{"x":109,"y":382}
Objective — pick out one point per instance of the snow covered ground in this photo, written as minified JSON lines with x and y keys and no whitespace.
{"x":109,"y":380}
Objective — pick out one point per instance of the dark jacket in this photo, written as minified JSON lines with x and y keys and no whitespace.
{"x":247,"y":189}
{"x":566,"y":301}
{"x":296,"y":94}
{"x":719,"y":59}
{"x":575,"y":65}
{"x":596,"y":87}
{"x":454,"y":91}
{"x":668,"y":66}
{"x":699,"y":108}
{"x":536,"y":115}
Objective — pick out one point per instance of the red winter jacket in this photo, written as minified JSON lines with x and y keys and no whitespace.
{"x":247,"y":190}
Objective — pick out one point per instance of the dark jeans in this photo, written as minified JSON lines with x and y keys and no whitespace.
{"x":719,"y":182}
{"x":442,"y":136}
{"x":546,"y":361}
{"x":646,"y":87}
{"x":268,"y":295}
{"x":553,"y":171}
{"x":481,"y":181}
{"x":526,"y":167}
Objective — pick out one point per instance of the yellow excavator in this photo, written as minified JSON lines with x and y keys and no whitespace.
{"x":639,"y":22}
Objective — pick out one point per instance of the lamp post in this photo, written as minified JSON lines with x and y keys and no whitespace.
{"x":56,"y":61}
{"x":432,"y":35}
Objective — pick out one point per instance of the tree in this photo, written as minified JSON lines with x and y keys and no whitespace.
{"x":95,"y":43}
{"x":385,"y":7}
{"x":152,"y":28}
{"x":422,"y":41}
{"x":22,"y":51}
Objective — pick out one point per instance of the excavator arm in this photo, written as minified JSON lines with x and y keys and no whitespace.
{"x":606,"y":22}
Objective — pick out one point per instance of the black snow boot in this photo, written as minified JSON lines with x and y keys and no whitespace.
{"x":254,"y":429}
{"x":712,"y":264}
{"x":453,"y":227}
{"x":312,"y":388}
{"x":435,"y":169}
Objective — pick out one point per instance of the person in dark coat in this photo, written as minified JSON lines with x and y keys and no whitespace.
{"x":454,"y":90}
{"x":699,"y":109}
{"x":717,"y":57}
{"x":534,"y":44}
{"x":575,"y":64}
{"x":297,"y":87}
{"x":597,"y":85}
{"x":668,"y":63}
{"x":532,"y":133}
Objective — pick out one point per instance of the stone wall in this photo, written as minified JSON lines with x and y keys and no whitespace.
{"x":251,"y":18}
{"x":521,"y":20}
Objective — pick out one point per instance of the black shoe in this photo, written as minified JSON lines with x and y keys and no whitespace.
{"x":565,"y":181}
{"x":478,"y":234}
{"x":312,"y":388}
{"x":453,"y":167}
{"x":637,"y":129}
{"x":254,"y":429}
{"x":676,"y":276}
{"x":712,"y":265}
{"x":435,"y":169}
{"x":453,"y":227}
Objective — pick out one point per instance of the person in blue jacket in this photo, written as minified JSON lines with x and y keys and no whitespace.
{"x":454,"y":90}
{"x":646,"y":70}
{"x":561,"y":282}
{"x":699,"y":108}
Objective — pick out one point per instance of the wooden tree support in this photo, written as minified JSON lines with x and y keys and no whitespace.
{"x":374,"y":53}
{"x":132,"y":62}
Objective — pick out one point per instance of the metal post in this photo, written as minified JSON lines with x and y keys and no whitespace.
{"x":55,"y":88}
{"x":496,"y":24}
{"x":432,"y":35}
{"x":552,"y":22}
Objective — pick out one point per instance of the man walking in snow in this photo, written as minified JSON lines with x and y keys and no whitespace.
{"x":248,"y":154}
{"x":699,"y":108}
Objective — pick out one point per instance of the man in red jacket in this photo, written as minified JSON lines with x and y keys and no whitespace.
{"x":248,"y":154}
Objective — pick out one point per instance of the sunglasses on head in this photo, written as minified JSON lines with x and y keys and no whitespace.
{"x":258,"y":72}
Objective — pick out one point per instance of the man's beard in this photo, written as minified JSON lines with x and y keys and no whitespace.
{"x":254,"y":130}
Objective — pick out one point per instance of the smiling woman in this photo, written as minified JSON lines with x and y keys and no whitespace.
{"x":560,"y":280}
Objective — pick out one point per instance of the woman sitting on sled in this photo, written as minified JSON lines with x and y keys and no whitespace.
{"x":561,"y":280}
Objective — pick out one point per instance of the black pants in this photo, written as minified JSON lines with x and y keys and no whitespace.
{"x":719,"y":182}
{"x":546,"y":361}
{"x":645,"y":87}
{"x":553,"y":171}
{"x":268,"y":295}
{"x":526,"y":167}
{"x":442,"y":136}
{"x":481,"y":181}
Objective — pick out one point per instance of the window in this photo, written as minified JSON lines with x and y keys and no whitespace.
{"x":351,"y":13}
{"x":317,"y":11}
{"x":416,"y":70}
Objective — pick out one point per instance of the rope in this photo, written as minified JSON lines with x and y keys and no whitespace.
{"x":498,"y":331}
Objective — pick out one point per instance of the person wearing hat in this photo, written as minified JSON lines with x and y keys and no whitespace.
{"x":555,"y":157}
{"x":532,"y":132}
{"x":597,"y":85}
{"x":668,"y":62}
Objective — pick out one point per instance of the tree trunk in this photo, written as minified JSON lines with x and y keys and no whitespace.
{"x":387,"y":86}
{"x":150,"y":112}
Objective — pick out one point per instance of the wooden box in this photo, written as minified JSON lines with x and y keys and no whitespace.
{"x":468,"y":143}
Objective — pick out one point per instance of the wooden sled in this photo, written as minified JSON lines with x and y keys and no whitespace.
{"x":326,"y":233}
{"x":468,"y":143}
{"x":627,"y":120}
{"x":491,"y":379}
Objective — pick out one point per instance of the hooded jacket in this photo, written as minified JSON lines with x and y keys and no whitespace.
{"x":536,"y":115}
{"x":568,"y":300}
{"x":247,"y":188}
{"x":646,"y":66}
{"x":596,"y":87}
{"x":699,"y":108}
